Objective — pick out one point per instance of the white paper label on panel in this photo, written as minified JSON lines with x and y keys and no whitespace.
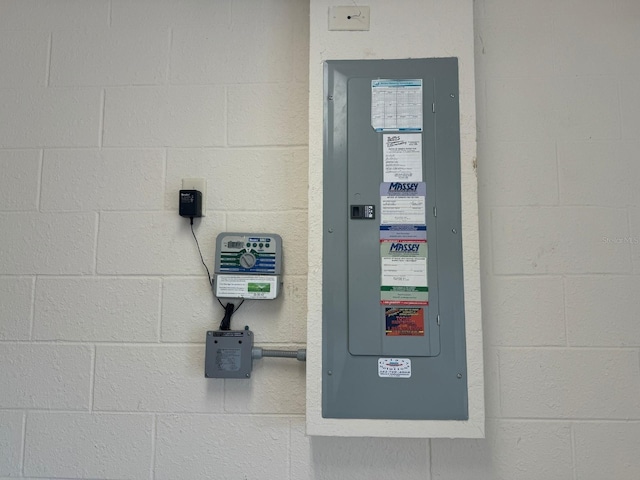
{"x":396,"y":105}
{"x":394,"y":367}
{"x":403,"y":203}
{"x":402,"y":157}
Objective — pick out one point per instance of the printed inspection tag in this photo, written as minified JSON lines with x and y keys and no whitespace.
{"x":394,"y":367}
{"x":402,"y":157}
{"x":403,"y":277}
{"x":396,"y":105}
{"x":403,"y":203}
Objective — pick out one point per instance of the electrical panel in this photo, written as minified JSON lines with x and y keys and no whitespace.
{"x":393,"y":328}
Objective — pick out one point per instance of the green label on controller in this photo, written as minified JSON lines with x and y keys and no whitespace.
{"x":258,"y":287}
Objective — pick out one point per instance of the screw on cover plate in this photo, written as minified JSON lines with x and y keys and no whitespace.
{"x":331,"y":230}
{"x":329,"y":372}
{"x":459,"y":375}
{"x":453,"y":230}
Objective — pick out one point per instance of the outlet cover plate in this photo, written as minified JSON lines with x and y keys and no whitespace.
{"x":349,"y":18}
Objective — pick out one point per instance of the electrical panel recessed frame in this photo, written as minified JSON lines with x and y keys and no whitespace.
{"x":351,"y":387}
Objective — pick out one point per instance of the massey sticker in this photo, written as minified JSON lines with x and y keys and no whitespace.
{"x":403,"y":277}
{"x":403,"y":203}
{"x":394,"y":367}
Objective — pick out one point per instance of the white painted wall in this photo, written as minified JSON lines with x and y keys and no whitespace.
{"x":139,"y":93}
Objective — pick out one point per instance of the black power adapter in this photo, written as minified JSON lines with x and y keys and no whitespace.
{"x":190,"y":203}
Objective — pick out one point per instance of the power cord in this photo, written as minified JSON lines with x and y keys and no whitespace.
{"x":230,"y":308}
{"x":209,"y":278}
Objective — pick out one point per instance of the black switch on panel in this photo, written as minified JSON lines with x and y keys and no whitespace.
{"x":363,"y":212}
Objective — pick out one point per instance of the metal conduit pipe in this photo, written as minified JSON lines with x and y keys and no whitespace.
{"x":300,"y":355}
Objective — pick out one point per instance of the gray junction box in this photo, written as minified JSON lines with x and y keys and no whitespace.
{"x":393,"y":328}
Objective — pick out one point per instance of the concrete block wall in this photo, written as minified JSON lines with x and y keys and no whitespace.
{"x":106,"y":104}
{"x":104,"y":107}
{"x":556,"y":82}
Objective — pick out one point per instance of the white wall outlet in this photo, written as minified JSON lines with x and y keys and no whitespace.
{"x":349,"y":18}
{"x":199,"y":184}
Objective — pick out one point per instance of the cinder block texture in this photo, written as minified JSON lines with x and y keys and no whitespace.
{"x":263,"y":442}
{"x":19,"y":180}
{"x":607,"y":450}
{"x":40,"y":243}
{"x":518,"y":173}
{"x":16,"y":299}
{"x":10,"y":442}
{"x":629,"y":106}
{"x":326,"y":458}
{"x":570,"y":383}
{"x":45,"y":376}
{"x":196,"y":57}
{"x":300,"y":42}
{"x":268,"y":114}
{"x":192,"y":116}
{"x":503,"y":47}
{"x":244,"y":179}
{"x":108,"y":179}
{"x":154,"y":13}
{"x":154,"y":379}
{"x":50,"y":117}
{"x":72,"y":445}
{"x":631,"y":241}
{"x":492,"y":381}
{"x":588,"y":176}
{"x":23,"y":55}
{"x":601,"y":310}
{"x":276,"y":386}
{"x":155,"y":243}
{"x":525,"y":311}
{"x":189,"y":310}
{"x":38,"y":15}
{"x":109,"y":56}
{"x":526,"y":451}
{"x":573,"y":29}
{"x":559,"y":240}
{"x":588,"y":108}
{"x":514,"y":116}
{"x":97,"y":309}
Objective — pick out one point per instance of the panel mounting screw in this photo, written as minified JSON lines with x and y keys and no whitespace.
{"x":330,"y":230}
{"x":247,"y":375}
{"x":209,"y":333}
{"x":459,"y":375}
{"x":453,"y":230}
{"x":329,"y":372}
{"x":452,"y":95}
{"x":330,"y":97}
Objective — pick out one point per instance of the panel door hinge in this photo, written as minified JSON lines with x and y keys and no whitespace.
{"x":435,"y":211}
{"x":438,"y":319}
{"x":433,"y":107}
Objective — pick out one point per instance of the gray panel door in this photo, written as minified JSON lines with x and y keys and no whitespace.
{"x":355,"y":335}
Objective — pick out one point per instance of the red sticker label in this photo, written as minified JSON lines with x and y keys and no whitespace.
{"x":404,"y":321}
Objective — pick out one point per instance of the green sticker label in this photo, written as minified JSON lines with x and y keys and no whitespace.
{"x":258,"y":287}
